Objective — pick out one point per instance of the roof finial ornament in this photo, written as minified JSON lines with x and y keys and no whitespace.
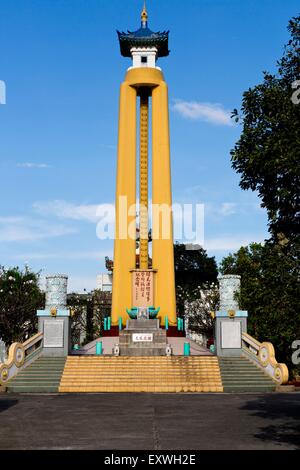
{"x":144,"y":15}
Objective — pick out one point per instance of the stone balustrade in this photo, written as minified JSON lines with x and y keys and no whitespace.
{"x":20,"y":355}
{"x":263,"y":354}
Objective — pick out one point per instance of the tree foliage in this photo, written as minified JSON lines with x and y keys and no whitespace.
{"x":198,"y":311}
{"x":20,"y":298}
{"x":88,"y":312}
{"x":267,"y":155}
{"x":270,"y":292}
{"x":193,"y":269}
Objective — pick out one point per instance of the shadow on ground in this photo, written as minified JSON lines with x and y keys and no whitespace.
{"x":5,"y":404}
{"x":284,"y":410}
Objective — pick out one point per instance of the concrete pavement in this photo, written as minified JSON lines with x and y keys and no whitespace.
{"x":150,"y":421}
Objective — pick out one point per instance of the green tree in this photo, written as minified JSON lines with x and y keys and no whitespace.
{"x":88,"y":312}
{"x":267,"y":155}
{"x":20,"y":298}
{"x":198,"y":311}
{"x":193,"y":269}
{"x":270,"y":292}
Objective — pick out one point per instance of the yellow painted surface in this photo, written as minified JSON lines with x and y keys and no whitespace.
{"x":125,"y":250}
{"x":162,"y":247}
{"x":144,"y":126}
{"x":141,"y":374}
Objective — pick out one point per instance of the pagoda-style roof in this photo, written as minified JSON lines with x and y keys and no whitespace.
{"x":144,"y":37}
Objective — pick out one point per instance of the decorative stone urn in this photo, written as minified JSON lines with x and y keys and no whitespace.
{"x":229,"y":286}
{"x":56,"y":291}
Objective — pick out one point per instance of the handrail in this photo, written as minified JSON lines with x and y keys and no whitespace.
{"x":29,"y":342}
{"x":263,"y":354}
{"x":20,"y":355}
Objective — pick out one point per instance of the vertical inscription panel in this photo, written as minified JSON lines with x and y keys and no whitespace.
{"x":54,"y":333}
{"x":142,"y":295}
{"x":231,"y":335}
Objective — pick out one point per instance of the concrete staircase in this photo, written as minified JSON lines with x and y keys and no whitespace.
{"x":43,"y":376}
{"x":98,"y":374}
{"x":141,"y":374}
{"x":240,"y":375}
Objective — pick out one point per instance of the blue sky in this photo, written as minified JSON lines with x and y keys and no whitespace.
{"x":61,"y":64}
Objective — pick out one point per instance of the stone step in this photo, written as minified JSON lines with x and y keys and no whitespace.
{"x":148,"y":377}
{"x":39,"y":367}
{"x":248,"y":388}
{"x":141,"y":389}
{"x":243,"y":380}
{"x":42,"y":376}
{"x":31,"y":373}
{"x":141,"y":374}
{"x":249,"y":375}
{"x":127,"y":374}
{"x":34,"y":388}
{"x":240,"y":375}
{"x":33,"y":379}
{"x":141,"y":360}
{"x":143,"y":370}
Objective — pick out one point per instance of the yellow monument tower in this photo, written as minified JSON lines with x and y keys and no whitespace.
{"x":138,"y":282}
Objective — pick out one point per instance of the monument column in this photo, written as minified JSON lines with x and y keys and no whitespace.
{"x":144,"y":228}
{"x":137,"y":286}
{"x":125,"y":212}
{"x":162,"y":230}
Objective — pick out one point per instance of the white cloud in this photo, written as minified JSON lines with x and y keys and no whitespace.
{"x":19,"y":229}
{"x":207,"y":112}
{"x":231,"y":243}
{"x":65,"y":210}
{"x":33,"y":165}
{"x":227,"y":209}
{"x":109,"y":146}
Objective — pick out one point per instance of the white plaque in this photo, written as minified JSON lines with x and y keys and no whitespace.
{"x":231,"y":336}
{"x":53,"y":333}
{"x":142,"y":337}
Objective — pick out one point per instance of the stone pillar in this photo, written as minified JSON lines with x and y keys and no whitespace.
{"x":229,"y":285}
{"x":231,"y":322}
{"x":54,"y":321}
{"x":3,"y":355}
{"x":56,"y":291}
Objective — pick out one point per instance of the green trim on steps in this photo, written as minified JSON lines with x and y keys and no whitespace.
{"x":42,"y":376}
{"x":240,"y":375}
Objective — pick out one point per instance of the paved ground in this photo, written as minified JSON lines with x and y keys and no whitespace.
{"x":176,"y":343}
{"x":150,"y":421}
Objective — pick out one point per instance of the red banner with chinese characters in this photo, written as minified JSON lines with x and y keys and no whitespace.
{"x":142,"y":289}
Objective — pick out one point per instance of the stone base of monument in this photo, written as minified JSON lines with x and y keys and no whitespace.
{"x":142,"y":338}
{"x":56,"y":332}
